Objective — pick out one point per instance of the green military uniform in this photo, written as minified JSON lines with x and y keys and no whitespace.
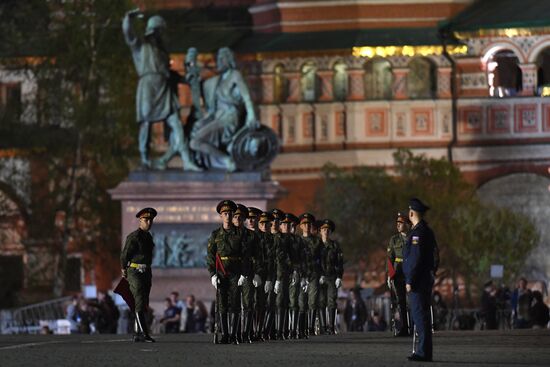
{"x":251,"y":247}
{"x":282,"y":247}
{"x":313,"y":248}
{"x":332,"y":264}
{"x":135,"y":260}
{"x":138,"y":249}
{"x":397,"y":283}
{"x":297,"y":295}
{"x":227,"y":244}
{"x":276,"y":216}
{"x":265,"y":300}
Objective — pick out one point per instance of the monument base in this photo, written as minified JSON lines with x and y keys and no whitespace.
{"x":186,"y":205}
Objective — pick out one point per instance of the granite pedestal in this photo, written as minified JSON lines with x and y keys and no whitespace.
{"x":186,"y":204}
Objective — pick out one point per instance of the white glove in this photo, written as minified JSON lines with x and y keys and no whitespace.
{"x":268,"y":286}
{"x":294,"y":278}
{"x":257,"y":281}
{"x":388,"y":282}
{"x":214,"y":281}
{"x":338,"y":282}
{"x":322,"y":279}
{"x":277,"y":287}
{"x":304,"y":283}
{"x":241,"y":280}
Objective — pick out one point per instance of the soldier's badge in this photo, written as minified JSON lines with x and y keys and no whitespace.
{"x":415,"y":240}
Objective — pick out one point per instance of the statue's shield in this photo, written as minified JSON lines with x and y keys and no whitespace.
{"x":254,"y":149}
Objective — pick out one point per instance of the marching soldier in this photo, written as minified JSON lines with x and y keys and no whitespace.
{"x":135,"y":261}
{"x":419,"y":266}
{"x":265,"y":226}
{"x":226,"y":250}
{"x":250,"y":243}
{"x":332,"y":264}
{"x":283,"y":241}
{"x":297,"y":292}
{"x":394,"y":271}
{"x":259,"y":263}
{"x":313,"y":247}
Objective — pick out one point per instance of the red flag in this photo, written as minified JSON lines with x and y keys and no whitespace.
{"x":123,"y":289}
{"x":219,"y":265}
{"x":391,"y":269}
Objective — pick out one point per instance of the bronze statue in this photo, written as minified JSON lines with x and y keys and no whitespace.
{"x":156,"y":97}
{"x":225,"y":96}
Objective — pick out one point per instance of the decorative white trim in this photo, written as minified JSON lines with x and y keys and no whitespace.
{"x":314,"y":4}
{"x":347,"y":21}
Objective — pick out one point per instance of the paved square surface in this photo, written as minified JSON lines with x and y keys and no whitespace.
{"x":487,"y":348}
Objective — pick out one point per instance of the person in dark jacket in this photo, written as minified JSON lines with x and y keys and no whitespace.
{"x":539,"y":312}
{"x":489,"y":306}
{"x":419,"y":265}
{"x":355,"y":312}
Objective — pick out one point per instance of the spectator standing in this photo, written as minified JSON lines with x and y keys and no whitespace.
{"x":108,"y":314}
{"x":489,"y":306}
{"x":355,"y":312}
{"x":71,"y":314}
{"x":171,"y":318}
{"x":521,"y":302}
{"x":539,"y":312}
{"x":202,"y":316}
{"x":190,"y":314}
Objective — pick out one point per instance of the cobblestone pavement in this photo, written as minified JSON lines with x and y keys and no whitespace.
{"x":486,"y":348}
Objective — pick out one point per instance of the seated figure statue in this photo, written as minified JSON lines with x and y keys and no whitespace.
{"x":229,"y":109}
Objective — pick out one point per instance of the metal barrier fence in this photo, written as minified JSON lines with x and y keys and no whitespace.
{"x":448,"y":319}
{"x":27,"y":319}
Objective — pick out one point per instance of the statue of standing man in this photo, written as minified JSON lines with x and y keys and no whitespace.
{"x":156,"y":97}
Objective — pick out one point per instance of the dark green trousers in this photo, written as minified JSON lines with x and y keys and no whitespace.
{"x":229,"y":295}
{"x":140,"y":286}
{"x":313,"y":293}
{"x":328,"y":293}
{"x":248,"y":295}
{"x":298,"y":298}
{"x":282,"y":298}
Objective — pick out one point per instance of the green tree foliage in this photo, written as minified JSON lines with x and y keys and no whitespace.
{"x":80,"y":127}
{"x":471,"y":236}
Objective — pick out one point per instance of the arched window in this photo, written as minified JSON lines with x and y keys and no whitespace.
{"x":543,"y":72}
{"x":378,"y":79}
{"x":340,"y":81}
{"x":280,"y":84}
{"x":309,"y":82}
{"x":421,"y":80}
{"x":504,"y":75}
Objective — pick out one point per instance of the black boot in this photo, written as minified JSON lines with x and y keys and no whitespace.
{"x":247,"y":327}
{"x":260,"y":319}
{"x":312,"y":316}
{"x":279,"y":324}
{"x":225,"y":329}
{"x":144,"y":326}
{"x":286,"y":328}
{"x":331,"y":321}
{"x":302,"y":325}
{"x":240,"y":328}
{"x":138,"y":335}
{"x":322,"y":321}
{"x":294,"y":317}
{"x":233,"y":328}
{"x":268,"y":325}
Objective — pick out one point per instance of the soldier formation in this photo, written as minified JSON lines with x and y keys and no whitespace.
{"x":271,"y":282}
{"x":275,"y":284}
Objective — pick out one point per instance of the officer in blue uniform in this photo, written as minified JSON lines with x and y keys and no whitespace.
{"x":419,"y":266}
